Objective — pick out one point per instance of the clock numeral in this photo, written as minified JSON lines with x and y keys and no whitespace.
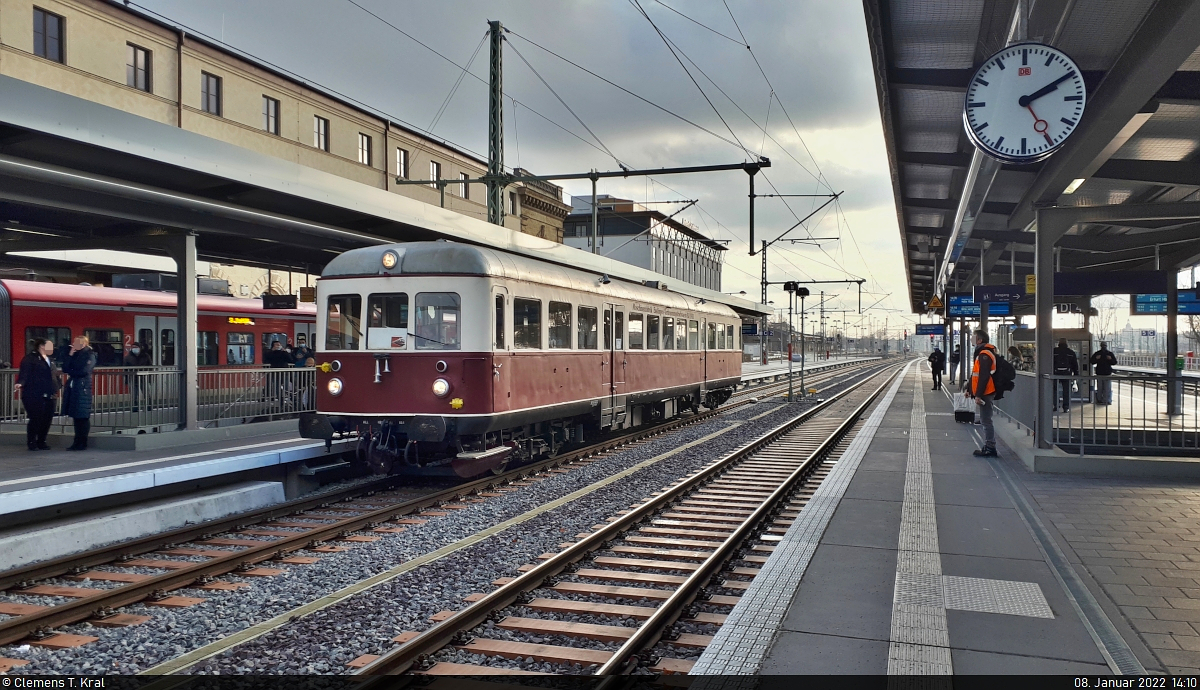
{"x":976,"y":105}
{"x":1070,"y":123}
{"x":1073,"y":98}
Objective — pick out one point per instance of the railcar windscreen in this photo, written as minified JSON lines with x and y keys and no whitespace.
{"x":387,"y":321}
{"x":437,"y":317}
{"x":343,"y":322}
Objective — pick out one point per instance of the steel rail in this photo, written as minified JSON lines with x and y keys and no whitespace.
{"x":18,"y":628}
{"x":403,"y":657}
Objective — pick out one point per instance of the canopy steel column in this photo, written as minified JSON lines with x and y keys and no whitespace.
{"x":495,"y":184}
{"x":186,"y":336}
{"x":1174,"y":376}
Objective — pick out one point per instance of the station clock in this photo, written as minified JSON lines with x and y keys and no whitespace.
{"x":1024,"y":102}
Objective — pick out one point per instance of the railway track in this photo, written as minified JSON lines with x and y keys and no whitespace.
{"x":672,"y":562}
{"x":145,"y":570}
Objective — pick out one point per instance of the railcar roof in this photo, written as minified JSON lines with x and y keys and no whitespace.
{"x":32,"y":291}
{"x":453,"y":258}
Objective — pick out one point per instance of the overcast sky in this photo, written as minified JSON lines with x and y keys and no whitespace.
{"x":813,"y":51}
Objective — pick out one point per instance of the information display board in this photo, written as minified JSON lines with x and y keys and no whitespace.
{"x":1156,"y":303}
{"x":931,"y":329}
{"x":962,"y":304}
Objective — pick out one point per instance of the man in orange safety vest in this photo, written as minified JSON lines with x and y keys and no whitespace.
{"x":983,"y":390}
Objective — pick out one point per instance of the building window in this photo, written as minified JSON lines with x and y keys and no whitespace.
{"x":402,"y":163}
{"x":47,"y":35}
{"x":435,"y":172}
{"x":320,"y":132}
{"x":271,"y":115}
{"x":512,"y":203}
{"x":210,"y":93}
{"x":137,"y":67}
{"x":464,"y":189}
{"x":364,"y":149}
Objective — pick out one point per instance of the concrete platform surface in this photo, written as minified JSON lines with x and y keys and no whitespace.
{"x":915,"y":557}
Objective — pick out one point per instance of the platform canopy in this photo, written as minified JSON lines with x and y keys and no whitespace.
{"x":1138,"y":142}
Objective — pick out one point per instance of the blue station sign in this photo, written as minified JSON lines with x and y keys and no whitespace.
{"x":1156,"y":303}
{"x":931,"y":329}
{"x":962,"y":304}
{"x":998,"y":293}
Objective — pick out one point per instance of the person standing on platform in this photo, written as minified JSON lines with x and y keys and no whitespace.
{"x":955,"y":360}
{"x":38,"y":385}
{"x":136,"y":357}
{"x":77,"y":403}
{"x":1103,"y":360}
{"x":301,"y":352}
{"x":1066,"y":363}
{"x":937,"y":362}
{"x":277,"y":357}
{"x":983,"y":390}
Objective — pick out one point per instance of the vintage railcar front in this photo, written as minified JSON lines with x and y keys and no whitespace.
{"x":405,"y":359}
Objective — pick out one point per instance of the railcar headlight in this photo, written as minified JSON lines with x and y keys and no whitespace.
{"x":441,"y":388}
{"x":334,"y":386}
{"x":389,"y":259}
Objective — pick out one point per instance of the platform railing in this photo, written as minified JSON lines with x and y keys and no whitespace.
{"x":1138,"y":414}
{"x":146,"y":397}
{"x":1155,"y":361}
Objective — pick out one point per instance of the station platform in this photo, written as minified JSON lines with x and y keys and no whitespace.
{"x":754,"y":371}
{"x":915,"y":557}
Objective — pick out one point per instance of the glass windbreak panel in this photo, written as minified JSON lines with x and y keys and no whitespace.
{"x":560,"y":325}
{"x":668,"y":333}
{"x":208,"y":348}
{"x":587,"y":328}
{"x":693,"y":342}
{"x":387,"y":321}
{"x":343,"y":322}
{"x":239,"y":348}
{"x":499,"y":322}
{"x":652,"y":332}
{"x":635,"y":330}
{"x":712,"y":336}
{"x":608,"y":329}
{"x":527,"y":324}
{"x":619,"y":330}
{"x":437,"y":320}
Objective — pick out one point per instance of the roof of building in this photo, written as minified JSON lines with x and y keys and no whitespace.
{"x":1138,"y":141}
{"x":581,"y":208}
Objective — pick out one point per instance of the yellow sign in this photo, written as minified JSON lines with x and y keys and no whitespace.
{"x":308,"y":294}
{"x":241,"y":320}
{"x":936,"y":303}
{"x":1030,"y":284}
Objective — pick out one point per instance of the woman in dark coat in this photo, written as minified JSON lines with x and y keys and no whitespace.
{"x":77,"y":402}
{"x":38,"y":385}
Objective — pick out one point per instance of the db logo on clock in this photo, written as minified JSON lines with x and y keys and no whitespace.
{"x":1024,"y":71}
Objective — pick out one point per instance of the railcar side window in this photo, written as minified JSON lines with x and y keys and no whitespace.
{"x":560,"y":325}
{"x":60,"y":335}
{"x":343,"y":322}
{"x":651,"y":332}
{"x":668,"y":333}
{"x":527,"y":324}
{"x":239,"y":348}
{"x":208,"y":348}
{"x":635,"y":331}
{"x":499,"y":322}
{"x":712,"y":336}
{"x":721,"y":337}
{"x":730,"y":337}
{"x":269,"y":338}
{"x":437,"y":321}
{"x":387,"y":321}
{"x":587,"y":328}
{"x":109,"y":345}
{"x":693,"y":335}
{"x":619,"y":329}
{"x":145,"y":338}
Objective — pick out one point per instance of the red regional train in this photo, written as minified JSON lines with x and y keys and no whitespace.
{"x":232,"y":332}
{"x":449,"y":357}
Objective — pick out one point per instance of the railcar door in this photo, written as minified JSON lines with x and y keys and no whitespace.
{"x":613,"y":411}
{"x":501,"y":362}
{"x":145,"y":329}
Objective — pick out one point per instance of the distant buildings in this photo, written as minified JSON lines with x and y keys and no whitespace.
{"x":638,"y":235}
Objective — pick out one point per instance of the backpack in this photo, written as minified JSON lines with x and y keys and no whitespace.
{"x":1004,"y":378}
{"x":1062,"y":362}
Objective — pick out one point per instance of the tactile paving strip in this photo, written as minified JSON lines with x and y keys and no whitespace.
{"x":743,"y":641}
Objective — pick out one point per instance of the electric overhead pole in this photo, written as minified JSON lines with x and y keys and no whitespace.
{"x":495,"y":181}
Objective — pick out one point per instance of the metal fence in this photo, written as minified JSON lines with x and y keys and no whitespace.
{"x":142,"y":397}
{"x":1135,"y":417}
{"x":1156,"y":362}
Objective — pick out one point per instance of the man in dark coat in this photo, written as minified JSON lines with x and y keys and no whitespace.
{"x":1103,"y":360}
{"x":1066,"y":363}
{"x":277,"y":357}
{"x":301,"y":352}
{"x":38,"y":384}
{"x":955,"y":359}
{"x":77,"y":403}
{"x":937,"y":362}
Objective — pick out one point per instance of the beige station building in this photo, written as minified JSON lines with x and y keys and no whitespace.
{"x":113,"y":55}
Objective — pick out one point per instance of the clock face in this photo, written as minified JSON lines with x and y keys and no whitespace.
{"x":1024,"y":102}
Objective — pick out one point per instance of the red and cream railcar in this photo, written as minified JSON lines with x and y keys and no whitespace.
{"x":231,"y":331}
{"x":448,"y":355}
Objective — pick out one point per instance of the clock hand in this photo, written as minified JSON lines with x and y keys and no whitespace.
{"x":1040,"y":126}
{"x":1024,"y":101}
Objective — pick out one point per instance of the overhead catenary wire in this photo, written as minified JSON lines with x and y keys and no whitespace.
{"x":702,"y":25}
